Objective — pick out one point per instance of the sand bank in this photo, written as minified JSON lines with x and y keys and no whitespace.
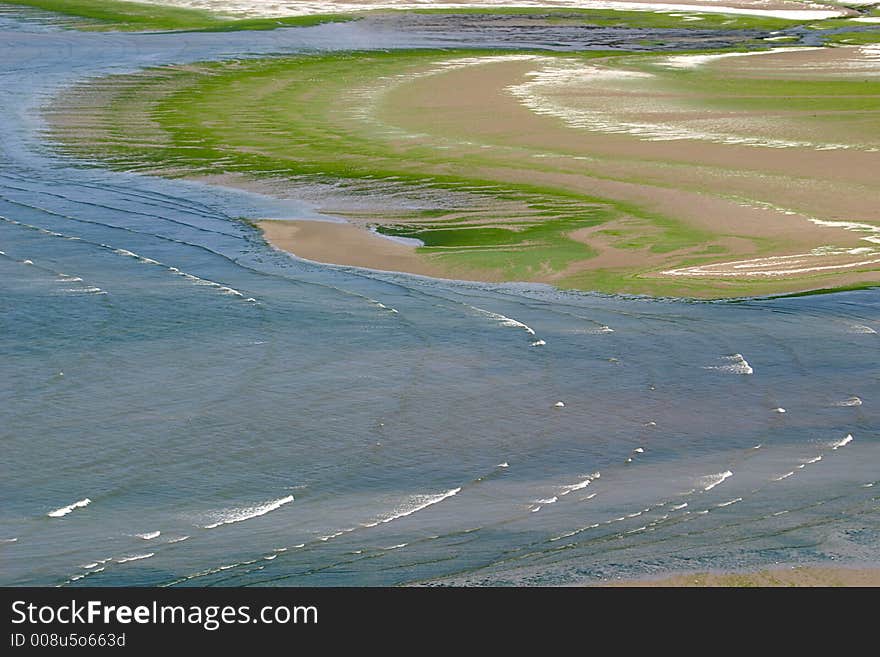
{"x":345,"y":244}
{"x":689,"y":177}
{"x":791,"y":576}
{"x":793,"y":9}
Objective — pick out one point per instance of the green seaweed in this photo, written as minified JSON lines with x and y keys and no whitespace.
{"x":140,"y":16}
{"x":291,"y":118}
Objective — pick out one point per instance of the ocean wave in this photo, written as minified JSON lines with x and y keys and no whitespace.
{"x":179,"y":539}
{"x":580,"y":485}
{"x":135,"y":557}
{"x":785,"y":476}
{"x":852,"y":401}
{"x":148,"y":536}
{"x":503,"y":320}
{"x":737,"y":365}
{"x":64,"y":510}
{"x":598,"y":331}
{"x":861,"y":328}
{"x":336,"y":534}
{"x":842,"y":442}
{"x":709,"y":482}
{"x":241,"y":514}
{"x":415,"y":504}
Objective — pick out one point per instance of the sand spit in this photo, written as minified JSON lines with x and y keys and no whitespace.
{"x":345,"y":244}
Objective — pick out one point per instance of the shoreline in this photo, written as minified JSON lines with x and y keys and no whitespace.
{"x":780,"y":576}
{"x":347,"y":244}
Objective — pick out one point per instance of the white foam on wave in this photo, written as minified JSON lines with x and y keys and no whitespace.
{"x":574,"y":532}
{"x":549,"y":500}
{"x":329,"y":537}
{"x":711,"y":481}
{"x":84,"y":290}
{"x":596,"y":331}
{"x":9,"y":540}
{"x":580,"y":485}
{"x":503,"y":320}
{"x":852,"y":401}
{"x":149,"y":536}
{"x":64,"y":510}
{"x":94,"y":564}
{"x":729,"y":502}
{"x":815,"y":459}
{"x":785,"y":476}
{"x":180,"y":539}
{"x":382,"y":306}
{"x":737,"y":364}
{"x":413,"y":505}
{"x":135,"y":557}
{"x":504,"y":464}
{"x":197,"y":280}
{"x":537,"y":343}
{"x":842,"y":442}
{"x":677,"y":507}
{"x":861,"y":328}
{"x":241,"y":514}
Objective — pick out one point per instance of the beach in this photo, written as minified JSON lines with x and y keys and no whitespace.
{"x":809,"y":576}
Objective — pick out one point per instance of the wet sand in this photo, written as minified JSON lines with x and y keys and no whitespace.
{"x":782,"y":8}
{"x":345,"y":244}
{"x":730,"y":193}
{"x":807,"y":576}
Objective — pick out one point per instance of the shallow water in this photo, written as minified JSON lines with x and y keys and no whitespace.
{"x":180,"y":404}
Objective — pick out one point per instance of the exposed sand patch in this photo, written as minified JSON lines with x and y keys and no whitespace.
{"x":345,"y":244}
{"x":793,"y":576}
{"x":772,"y":8}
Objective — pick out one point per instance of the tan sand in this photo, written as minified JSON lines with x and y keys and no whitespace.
{"x":785,"y":219}
{"x":470,"y":110}
{"x":345,"y":244}
{"x":791,"y":576}
{"x":784,"y":8}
